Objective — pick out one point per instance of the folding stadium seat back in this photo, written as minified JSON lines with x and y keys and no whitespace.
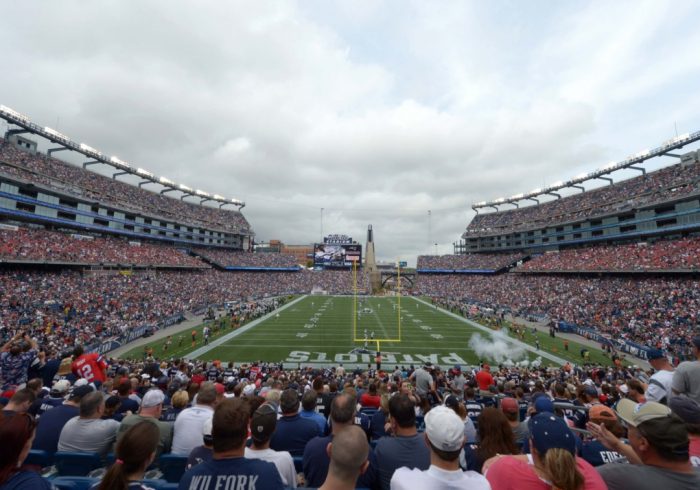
{"x":173,"y":467}
{"x":298,"y":463}
{"x":76,"y":464}
{"x":39,"y":458}
{"x":73,"y":482}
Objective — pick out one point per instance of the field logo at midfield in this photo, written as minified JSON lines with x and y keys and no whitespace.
{"x":367,"y":358}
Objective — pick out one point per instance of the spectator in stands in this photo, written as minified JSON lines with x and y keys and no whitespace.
{"x":52,"y":422}
{"x":423,"y":380}
{"x":187,"y":432}
{"x":592,"y":450}
{"x":348,"y":459}
{"x":230,"y":431}
{"x":91,"y":366}
{"x":484,"y":379}
{"x":370,"y":399}
{"x":495,"y":437}
{"x":686,"y":378}
{"x":444,"y":434}
{"x":112,"y":404}
{"x":17,"y":434}
{"x":658,"y":445}
{"x":88,"y":432}
{"x":316,"y":459}
{"x":554,"y":463}
{"x":135,"y":451}
{"x":205,"y":452}
{"x":404,"y":447}
{"x":262,"y":426}
{"x":128,"y":404}
{"x":178,"y":403}
{"x":293,"y":431}
{"x":20,"y":402}
{"x":308,"y":405}
{"x":453,"y":403}
{"x":151,"y":409}
{"x":15,"y":358}
{"x":56,"y":397}
{"x":659,"y":388}
{"x":511,"y":410}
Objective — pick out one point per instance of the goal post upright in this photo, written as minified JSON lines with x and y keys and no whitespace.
{"x":398,"y":290}
{"x":354,"y":303}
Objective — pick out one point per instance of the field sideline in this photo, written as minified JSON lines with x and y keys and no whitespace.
{"x":319,"y":330}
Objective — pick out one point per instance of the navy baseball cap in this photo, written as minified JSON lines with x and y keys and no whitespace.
{"x":544,"y":404}
{"x":550,"y":432}
{"x":686,"y":408}
{"x":655,"y":354}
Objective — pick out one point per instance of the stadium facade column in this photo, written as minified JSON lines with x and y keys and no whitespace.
{"x":375,"y":277}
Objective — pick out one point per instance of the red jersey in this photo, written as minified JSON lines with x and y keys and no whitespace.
{"x":90,"y":366}
{"x":484,"y":379}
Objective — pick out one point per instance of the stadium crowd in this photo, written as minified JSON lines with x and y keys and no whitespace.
{"x":467,"y":261}
{"x":657,"y":312}
{"x":463,"y":427}
{"x":63,"y":177}
{"x":681,"y":254}
{"x":41,"y":245}
{"x":661,"y":185}
{"x":64,"y":307}
{"x":243,"y":259}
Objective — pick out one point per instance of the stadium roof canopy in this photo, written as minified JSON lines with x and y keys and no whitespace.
{"x":65,"y":143}
{"x":664,"y":149}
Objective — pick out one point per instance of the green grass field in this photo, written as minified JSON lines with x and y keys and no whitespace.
{"x":320,"y":329}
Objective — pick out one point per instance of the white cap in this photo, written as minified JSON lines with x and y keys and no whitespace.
{"x":249,"y":390}
{"x":61,"y":386}
{"x":145,"y":376}
{"x":81,"y":382}
{"x":444,"y":429}
{"x":152,"y":398}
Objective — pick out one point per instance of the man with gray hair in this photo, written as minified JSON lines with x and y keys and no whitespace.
{"x":349,"y":453}
{"x":88,"y":432}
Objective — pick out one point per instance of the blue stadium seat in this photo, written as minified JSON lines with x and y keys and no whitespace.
{"x":76,"y":464}
{"x":37,"y":457}
{"x":73,"y":482}
{"x":298,"y":463}
{"x":173,"y":467}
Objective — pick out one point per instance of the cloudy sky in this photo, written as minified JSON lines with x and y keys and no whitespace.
{"x":375,"y":111}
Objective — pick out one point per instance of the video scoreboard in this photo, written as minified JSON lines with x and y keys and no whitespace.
{"x":329,"y":255}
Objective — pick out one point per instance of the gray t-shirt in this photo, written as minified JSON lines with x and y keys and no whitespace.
{"x":423,"y":381}
{"x":686,"y":379}
{"x":394,"y":452}
{"x":88,"y":435}
{"x":521,"y":432}
{"x":645,"y":477}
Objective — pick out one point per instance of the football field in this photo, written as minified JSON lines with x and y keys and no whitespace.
{"x":327,"y":330}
